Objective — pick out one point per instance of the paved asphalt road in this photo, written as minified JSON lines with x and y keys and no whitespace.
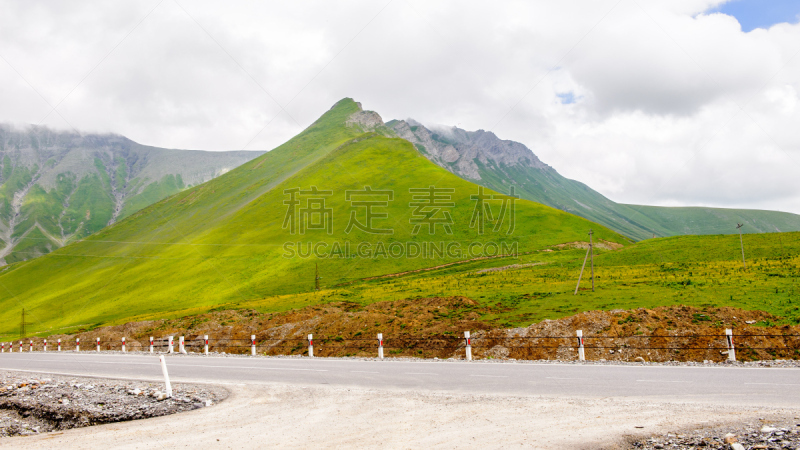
{"x":722,"y":385}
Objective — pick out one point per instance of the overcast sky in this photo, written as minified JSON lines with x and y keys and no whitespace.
{"x":662,"y":102}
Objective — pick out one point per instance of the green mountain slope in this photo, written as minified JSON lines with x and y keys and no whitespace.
{"x":485,"y":159}
{"x":231,"y":239}
{"x":56,"y":187}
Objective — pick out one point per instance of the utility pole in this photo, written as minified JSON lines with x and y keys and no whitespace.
{"x":588,"y":251}
{"x":591,"y":252}
{"x":316,"y":276}
{"x":741,"y":242}
{"x":22,"y":332}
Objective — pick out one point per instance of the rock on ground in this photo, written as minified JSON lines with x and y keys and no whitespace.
{"x":33,"y":404}
{"x":772,"y":434}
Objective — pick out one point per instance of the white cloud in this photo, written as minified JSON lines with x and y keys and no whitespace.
{"x":672,"y":105}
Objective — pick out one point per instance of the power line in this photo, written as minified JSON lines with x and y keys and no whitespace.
{"x":741,"y":242}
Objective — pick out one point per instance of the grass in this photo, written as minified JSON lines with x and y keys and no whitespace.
{"x":66,"y":194}
{"x":699,"y":271}
{"x":223,"y":241}
{"x":153,"y":192}
{"x":221,"y":245}
{"x":635,"y":221}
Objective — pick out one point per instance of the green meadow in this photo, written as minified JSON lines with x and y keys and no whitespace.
{"x":355,"y":204}
{"x":700,"y":271}
{"x":376,"y":221}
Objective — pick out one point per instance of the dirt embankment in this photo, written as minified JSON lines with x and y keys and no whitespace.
{"x":674,"y":333}
{"x":434,"y":327}
{"x":427,"y":327}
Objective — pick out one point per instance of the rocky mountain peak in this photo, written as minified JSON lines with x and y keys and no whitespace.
{"x":367,"y":120}
{"x":462,"y":152}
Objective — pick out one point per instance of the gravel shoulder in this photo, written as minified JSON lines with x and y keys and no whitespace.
{"x":302,"y":416}
{"x":32,"y":404}
{"x":775,"y":433}
{"x":333,"y":417}
{"x":773,"y":363}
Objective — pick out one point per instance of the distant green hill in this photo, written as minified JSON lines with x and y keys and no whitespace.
{"x":483,"y":158}
{"x":56,"y":187}
{"x":246,"y":235}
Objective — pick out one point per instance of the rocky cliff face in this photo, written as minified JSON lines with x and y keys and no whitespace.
{"x":457,"y":150}
{"x":480,"y":156}
{"x":59,"y":186}
{"x":462,"y":151}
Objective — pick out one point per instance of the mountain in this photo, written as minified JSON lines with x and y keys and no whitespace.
{"x":335,"y":204}
{"x":57,"y":186}
{"x":483,"y":158}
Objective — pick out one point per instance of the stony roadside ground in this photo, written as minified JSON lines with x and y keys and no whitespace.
{"x":32,"y":404}
{"x":774,"y":363}
{"x":771,"y":435}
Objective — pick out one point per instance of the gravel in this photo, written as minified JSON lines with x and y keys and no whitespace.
{"x":775,"y":363}
{"x":32,"y":405}
{"x":764,"y":434}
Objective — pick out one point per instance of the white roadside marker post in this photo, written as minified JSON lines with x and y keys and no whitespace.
{"x":59,"y":345}
{"x":31,"y":349}
{"x":171,"y":344}
{"x":77,"y":344}
{"x":45,"y":345}
{"x":123,"y":345}
{"x":310,"y":345}
{"x":729,"y":339}
{"x":205,"y":347}
{"x":581,"y":352}
{"x":151,"y":344}
{"x":181,"y":348}
{"x":3,"y":347}
{"x":468,"y":342}
{"x":380,"y":345}
{"x":98,"y":345}
{"x":252,"y":345}
{"x":20,"y":346}
{"x":166,"y":375}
